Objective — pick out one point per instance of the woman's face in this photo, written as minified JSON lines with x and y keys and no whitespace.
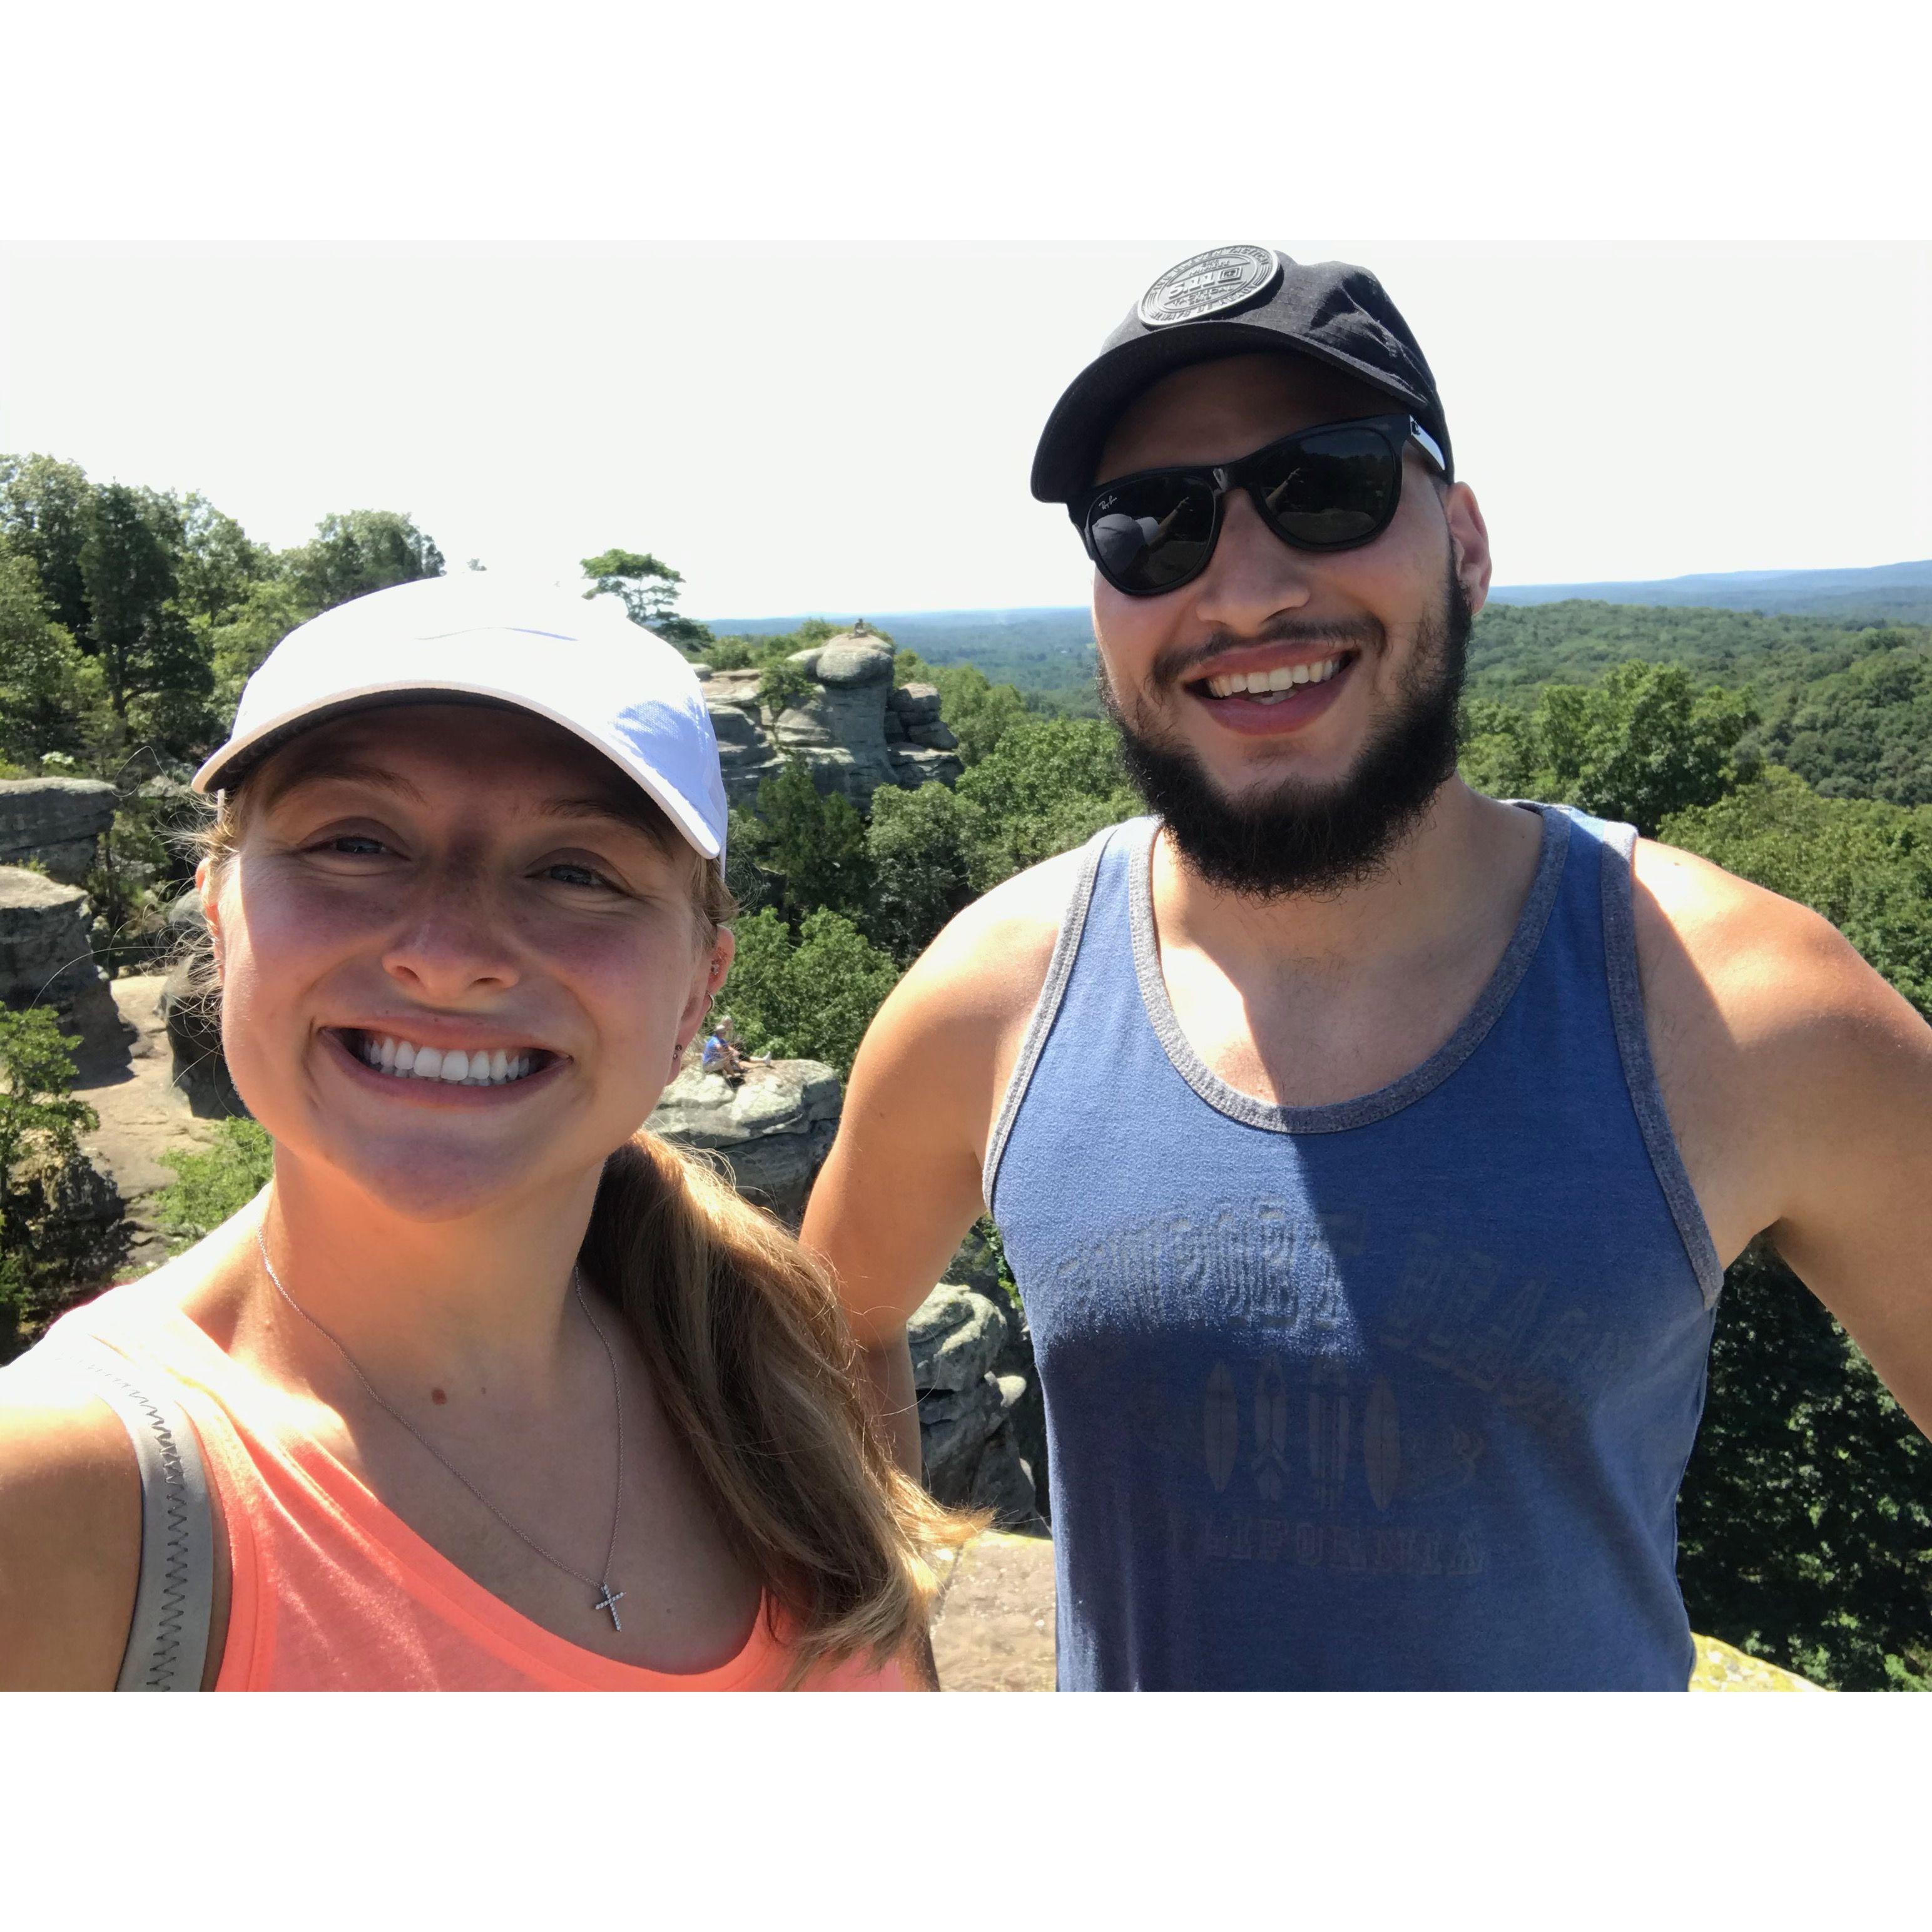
{"x":470,"y":893}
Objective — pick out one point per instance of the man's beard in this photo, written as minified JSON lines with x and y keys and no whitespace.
{"x":1303,"y":838}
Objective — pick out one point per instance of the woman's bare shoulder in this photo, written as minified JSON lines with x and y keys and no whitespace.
{"x":69,"y":1536}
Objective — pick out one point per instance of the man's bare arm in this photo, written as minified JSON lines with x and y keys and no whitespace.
{"x":902,"y":1183}
{"x":1800,"y":1087}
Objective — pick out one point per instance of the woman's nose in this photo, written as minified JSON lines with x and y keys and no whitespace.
{"x":455,"y":942}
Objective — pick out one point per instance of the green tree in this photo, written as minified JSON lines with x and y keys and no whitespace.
{"x":809,"y":996}
{"x":146,"y":647}
{"x":44,"y":515}
{"x":357,"y":551}
{"x":978,"y":712}
{"x":1047,"y":786}
{"x":1804,"y":1527}
{"x":1643,"y":742}
{"x":41,"y":1126}
{"x":218,"y":566}
{"x":917,"y":847}
{"x":50,"y":693}
{"x":1867,"y":866}
{"x":649,"y":589}
{"x":812,"y":843}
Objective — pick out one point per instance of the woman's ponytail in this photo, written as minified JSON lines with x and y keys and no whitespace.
{"x":743,"y":1332}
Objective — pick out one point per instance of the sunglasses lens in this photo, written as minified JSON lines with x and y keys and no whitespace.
{"x":1330,"y":488}
{"x":1151,"y":534}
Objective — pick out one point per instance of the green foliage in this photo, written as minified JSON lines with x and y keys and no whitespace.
{"x":218,"y":566}
{"x":809,"y":996}
{"x":1047,"y":786}
{"x":356,"y":551}
{"x":213,"y":1183}
{"x":1865,"y":866}
{"x":1865,"y":731}
{"x":916,"y":848}
{"x":51,"y":693}
{"x":41,"y":1125}
{"x":812,"y":844}
{"x":979,"y":713}
{"x":648,"y":588}
{"x":146,"y":646}
{"x":1640,"y":744}
{"x":43,"y":513}
{"x":1804,"y":1527}
{"x":783,"y":685}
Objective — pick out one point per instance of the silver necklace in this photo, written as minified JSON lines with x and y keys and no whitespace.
{"x":610,"y":1599}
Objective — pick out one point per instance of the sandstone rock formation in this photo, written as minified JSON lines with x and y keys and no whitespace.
{"x":772,"y":1131}
{"x":45,"y":960}
{"x":57,"y":822}
{"x":965,"y":1405}
{"x":855,"y":730}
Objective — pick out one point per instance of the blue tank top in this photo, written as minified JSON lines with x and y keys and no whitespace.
{"x":1393,"y":1394}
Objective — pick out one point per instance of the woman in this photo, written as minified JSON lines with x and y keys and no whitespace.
{"x":494,"y":1390}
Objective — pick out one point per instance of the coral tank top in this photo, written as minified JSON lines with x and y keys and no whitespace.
{"x":331,"y":1589}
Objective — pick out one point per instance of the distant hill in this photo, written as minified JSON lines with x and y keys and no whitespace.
{"x":1889,"y":593}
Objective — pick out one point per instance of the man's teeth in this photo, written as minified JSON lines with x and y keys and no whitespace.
{"x":1259,"y":683}
{"x":484,"y":1067}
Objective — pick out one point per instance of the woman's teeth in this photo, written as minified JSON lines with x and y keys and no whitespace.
{"x":484,"y":1067}
{"x":1267,"y":684}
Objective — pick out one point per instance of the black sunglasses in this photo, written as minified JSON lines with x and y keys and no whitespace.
{"x":1331,"y":487}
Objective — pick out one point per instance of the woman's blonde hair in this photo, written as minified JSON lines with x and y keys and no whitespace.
{"x":747,"y":1346}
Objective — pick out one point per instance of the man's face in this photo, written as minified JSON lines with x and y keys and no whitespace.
{"x":1307,"y":787}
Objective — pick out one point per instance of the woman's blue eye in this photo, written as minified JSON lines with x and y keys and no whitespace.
{"x":579,"y":875}
{"x":355,"y":843}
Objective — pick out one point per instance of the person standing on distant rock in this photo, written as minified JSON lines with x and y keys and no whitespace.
{"x":495,"y":1390}
{"x":1368,"y":1152}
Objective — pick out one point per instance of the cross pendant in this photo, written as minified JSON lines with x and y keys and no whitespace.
{"x":609,"y":1602}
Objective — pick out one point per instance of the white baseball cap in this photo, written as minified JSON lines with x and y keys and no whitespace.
{"x":580,"y":662}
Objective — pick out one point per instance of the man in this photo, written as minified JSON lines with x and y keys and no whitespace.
{"x":1368,"y":1152}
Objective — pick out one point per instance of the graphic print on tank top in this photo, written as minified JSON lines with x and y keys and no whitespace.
{"x":1397,"y":1392}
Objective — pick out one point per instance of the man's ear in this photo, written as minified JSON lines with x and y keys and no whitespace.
{"x":1468,"y":543}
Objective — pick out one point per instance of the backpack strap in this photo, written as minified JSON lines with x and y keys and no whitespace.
{"x":167,"y":1641}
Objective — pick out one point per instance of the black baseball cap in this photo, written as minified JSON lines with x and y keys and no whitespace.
{"x":1232,"y":302}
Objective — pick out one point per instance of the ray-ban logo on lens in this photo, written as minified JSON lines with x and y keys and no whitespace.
{"x":1222,"y":278}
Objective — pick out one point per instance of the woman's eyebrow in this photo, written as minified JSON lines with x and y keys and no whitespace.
{"x":343,"y":771}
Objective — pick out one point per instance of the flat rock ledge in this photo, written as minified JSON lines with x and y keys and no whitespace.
{"x":771,"y":1131}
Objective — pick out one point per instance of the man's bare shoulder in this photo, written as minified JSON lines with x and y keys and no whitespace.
{"x":988,"y":966}
{"x":69,"y":1536}
{"x":1771,"y":971}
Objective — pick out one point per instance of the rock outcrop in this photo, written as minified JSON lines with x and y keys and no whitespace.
{"x":56,"y":823}
{"x":772,"y":1130}
{"x":966,"y":1405}
{"x":45,"y":960}
{"x":854,"y":728}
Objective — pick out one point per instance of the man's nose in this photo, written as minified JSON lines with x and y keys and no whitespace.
{"x":1252,"y":576}
{"x":453,"y":942}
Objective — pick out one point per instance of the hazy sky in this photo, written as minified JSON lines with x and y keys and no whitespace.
{"x":849,"y":428}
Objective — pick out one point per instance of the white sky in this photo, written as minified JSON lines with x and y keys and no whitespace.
{"x":799,"y":427}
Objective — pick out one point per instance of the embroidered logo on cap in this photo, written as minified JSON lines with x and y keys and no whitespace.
{"x":1222,"y":278}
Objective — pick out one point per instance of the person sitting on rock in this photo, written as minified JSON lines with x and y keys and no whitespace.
{"x":721,"y":1055}
{"x":492,"y":1388}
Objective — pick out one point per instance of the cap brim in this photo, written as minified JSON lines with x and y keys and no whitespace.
{"x":1063,"y":465}
{"x":233,"y":762}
